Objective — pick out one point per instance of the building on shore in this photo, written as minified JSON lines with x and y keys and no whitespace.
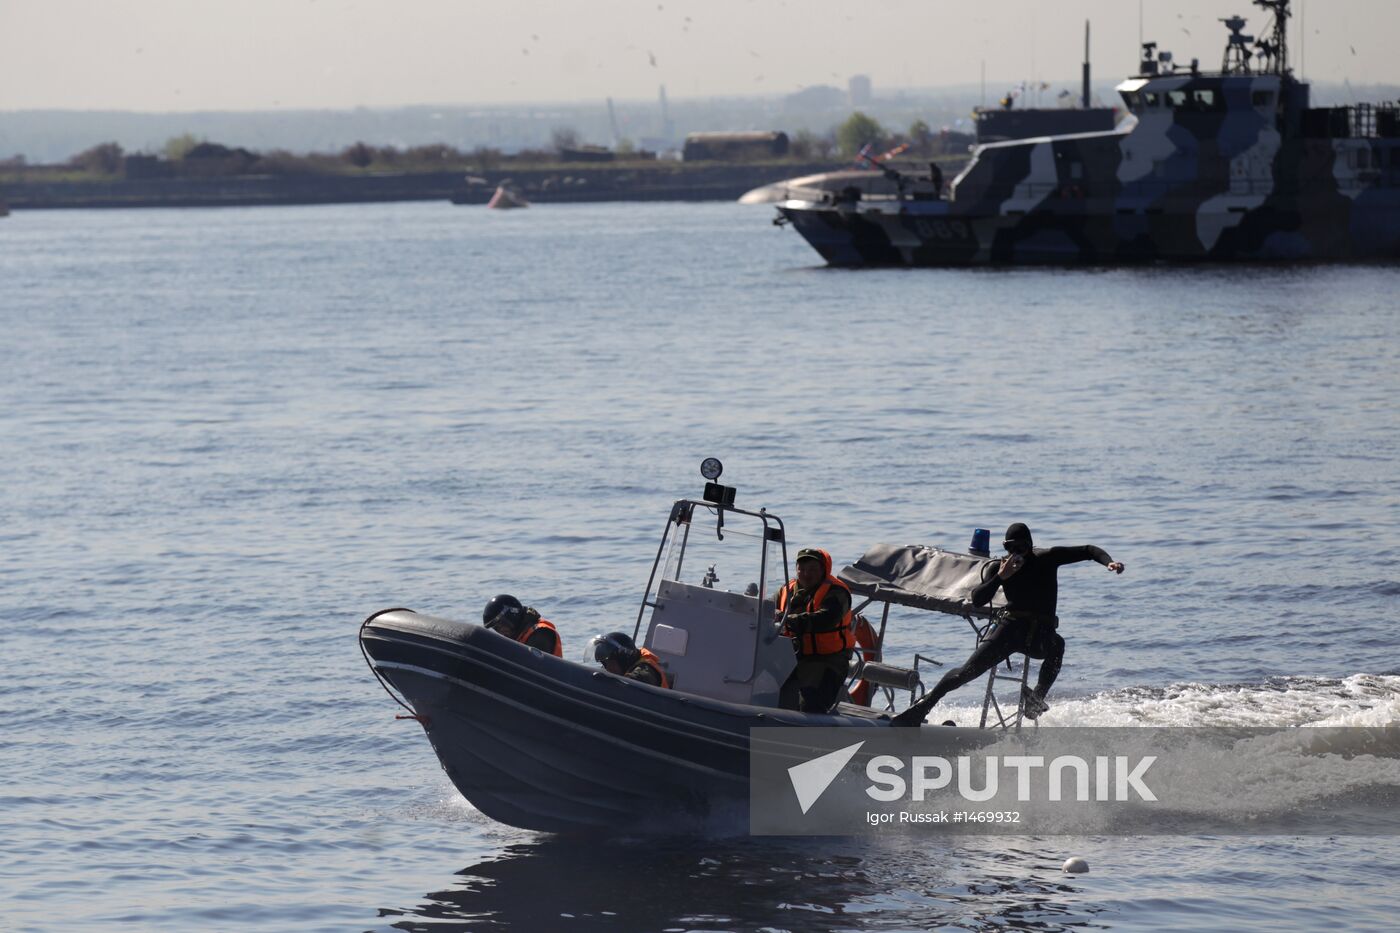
{"x":735,"y":147}
{"x":859,"y":90}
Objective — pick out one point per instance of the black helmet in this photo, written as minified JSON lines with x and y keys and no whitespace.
{"x":615,"y":646}
{"x":502,"y":610}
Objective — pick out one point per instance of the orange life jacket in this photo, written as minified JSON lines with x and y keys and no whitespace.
{"x":654,"y":662}
{"x":548,"y":626}
{"x":869,"y":651}
{"x":839,"y":641}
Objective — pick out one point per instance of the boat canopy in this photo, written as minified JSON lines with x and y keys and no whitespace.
{"x":922,"y":577}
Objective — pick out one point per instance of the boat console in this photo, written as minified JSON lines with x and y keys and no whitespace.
{"x":714,"y":642}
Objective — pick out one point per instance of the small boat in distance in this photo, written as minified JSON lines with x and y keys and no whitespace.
{"x":506,"y":198}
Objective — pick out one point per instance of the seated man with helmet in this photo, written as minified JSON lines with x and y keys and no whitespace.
{"x":505,"y":615}
{"x":620,"y":655}
{"x":818,"y":621}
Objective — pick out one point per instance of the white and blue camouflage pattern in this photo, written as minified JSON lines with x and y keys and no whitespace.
{"x":1224,"y":166}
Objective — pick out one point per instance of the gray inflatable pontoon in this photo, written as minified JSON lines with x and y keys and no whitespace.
{"x":543,"y":743}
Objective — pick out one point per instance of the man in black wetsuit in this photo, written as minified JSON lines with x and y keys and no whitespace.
{"x":1028,"y":577}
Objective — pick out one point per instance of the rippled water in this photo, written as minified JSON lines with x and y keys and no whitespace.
{"x":230,"y":435}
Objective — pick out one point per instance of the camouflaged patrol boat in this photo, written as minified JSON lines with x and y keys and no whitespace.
{"x":1209,"y":166}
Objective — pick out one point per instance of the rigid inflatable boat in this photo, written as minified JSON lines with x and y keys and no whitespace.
{"x":545,"y":743}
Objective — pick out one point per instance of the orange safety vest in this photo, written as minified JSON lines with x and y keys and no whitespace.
{"x":838,"y":642}
{"x":654,"y":662}
{"x":870,"y":651}
{"x":549,"y":626}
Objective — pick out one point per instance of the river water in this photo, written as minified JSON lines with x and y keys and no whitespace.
{"x":230,"y":435}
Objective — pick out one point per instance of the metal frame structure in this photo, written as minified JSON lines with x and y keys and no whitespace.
{"x":682,"y":514}
{"x":990,"y":703}
{"x":1006,"y":718}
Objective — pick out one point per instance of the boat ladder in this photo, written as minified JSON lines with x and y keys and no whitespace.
{"x":1007,"y":717}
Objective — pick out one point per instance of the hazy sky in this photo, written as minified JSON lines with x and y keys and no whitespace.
{"x":264,"y":54}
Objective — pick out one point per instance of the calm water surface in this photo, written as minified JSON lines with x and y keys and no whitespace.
{"x":230,"y":435}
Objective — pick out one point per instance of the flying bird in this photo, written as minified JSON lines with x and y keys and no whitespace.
{"x":653,"y":59}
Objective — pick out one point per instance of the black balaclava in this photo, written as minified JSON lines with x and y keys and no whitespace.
{"x":1019,"y":532}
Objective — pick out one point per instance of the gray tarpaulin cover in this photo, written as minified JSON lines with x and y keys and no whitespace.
{"x":921,"y":576}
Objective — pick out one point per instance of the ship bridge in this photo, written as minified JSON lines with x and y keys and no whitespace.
{"x":1209,"y":93}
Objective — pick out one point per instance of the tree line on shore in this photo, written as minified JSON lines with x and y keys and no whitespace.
{"x":188,"y":157}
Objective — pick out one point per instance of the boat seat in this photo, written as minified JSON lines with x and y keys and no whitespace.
{"x":860,"y":712}
{"x":886,"y":679}
{"x":887,"y":675}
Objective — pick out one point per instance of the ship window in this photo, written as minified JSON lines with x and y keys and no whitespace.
{"x":1131,"y":99}
{"x":1149,"y":98}
{"x":1177,"y":98}
{"x":1263,"y":98}
{"x":1205,"y":100}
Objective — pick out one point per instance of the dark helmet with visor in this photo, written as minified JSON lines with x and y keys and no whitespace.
{"x":503,"y":611}
{"x":616,"y":647}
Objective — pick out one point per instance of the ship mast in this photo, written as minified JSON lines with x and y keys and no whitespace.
{"x":1274,"y":50}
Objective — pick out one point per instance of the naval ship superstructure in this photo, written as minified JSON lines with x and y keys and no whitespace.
{"x":1208,"y":166}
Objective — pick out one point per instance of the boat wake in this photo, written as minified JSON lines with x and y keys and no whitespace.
{"x":1289,"y":755}
{"x":1361,"y":700}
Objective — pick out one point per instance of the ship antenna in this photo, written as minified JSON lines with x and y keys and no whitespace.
{"x":1237,"y":54}
{"x":1275,"y":49}
{"x":1085,"y":95}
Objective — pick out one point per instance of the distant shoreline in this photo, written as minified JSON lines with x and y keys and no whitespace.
{"x":650,"y":182}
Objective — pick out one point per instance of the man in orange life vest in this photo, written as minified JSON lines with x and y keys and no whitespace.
{"x":620,"y":655}
{"x":506,"y":616}
{"x":819,"y":623}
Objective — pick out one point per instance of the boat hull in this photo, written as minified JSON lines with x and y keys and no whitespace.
{"x":1085,"y":233}
{"x":542,"y":743}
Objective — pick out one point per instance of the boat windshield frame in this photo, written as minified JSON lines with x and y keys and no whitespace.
{"x":682,"y":514}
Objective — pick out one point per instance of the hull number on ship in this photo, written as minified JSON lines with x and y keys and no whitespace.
{"x":940,"y":229}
